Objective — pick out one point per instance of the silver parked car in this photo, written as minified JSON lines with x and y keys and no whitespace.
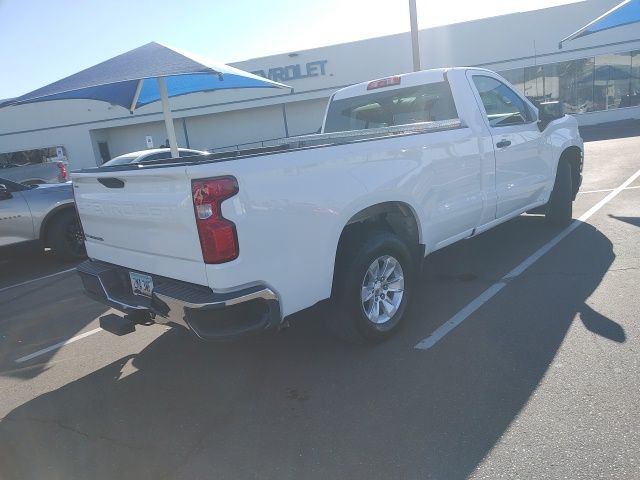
{"x":43,"y":214}
{"x":151,"y":155}
{"x":35,"y":173}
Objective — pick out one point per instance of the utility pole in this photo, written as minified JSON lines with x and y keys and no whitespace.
{"x":415,"y":46}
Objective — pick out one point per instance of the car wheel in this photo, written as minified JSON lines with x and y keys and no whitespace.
{"x":560,"y":207}
{"x":65,"y":237}
{"x":374,"y":284}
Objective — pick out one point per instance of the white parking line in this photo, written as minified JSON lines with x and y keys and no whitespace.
{"x":608,"y":190}
{"x":58,"y":345}
{"x":36,"y":279}
{"x":489,"y":293}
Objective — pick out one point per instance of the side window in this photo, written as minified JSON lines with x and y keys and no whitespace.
{"x":12,"y":186}
{"x":503,"y":105}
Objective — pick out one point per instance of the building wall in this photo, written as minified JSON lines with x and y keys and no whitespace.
{"x":76,"y":141}
{"x":305,"y":117}
{"x":219,"y":119}
{"x":232,"y":128}
{"x":131,"y":138}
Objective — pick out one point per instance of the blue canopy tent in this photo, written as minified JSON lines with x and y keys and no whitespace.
{"x":625,"y":13}
{"x":144,"y":75}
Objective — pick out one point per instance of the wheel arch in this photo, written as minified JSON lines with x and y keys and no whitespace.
{"x":573,"y":155}
{"x":33,"y":181}
{"x":48,"y":219}
{"x":395,"y":216}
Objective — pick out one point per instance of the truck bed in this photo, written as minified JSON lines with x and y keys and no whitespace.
{"x":292,"y":144}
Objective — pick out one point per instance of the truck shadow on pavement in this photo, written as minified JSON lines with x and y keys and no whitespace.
{"x":301,"y":405}
{"x":630,"y":220}
{"x":611,"y":130}
{"x":19,"y":264}
{"x":39,"y":313}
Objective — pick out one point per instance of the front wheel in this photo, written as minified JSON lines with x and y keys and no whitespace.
{"x":374,"y":284}
{"x":560,"y":207}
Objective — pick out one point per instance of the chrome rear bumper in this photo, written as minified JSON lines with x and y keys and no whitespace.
{"x":210,"y":315}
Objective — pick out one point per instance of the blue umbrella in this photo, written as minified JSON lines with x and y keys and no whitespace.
{"x":145,"y":75}
{"x":624,"y":13}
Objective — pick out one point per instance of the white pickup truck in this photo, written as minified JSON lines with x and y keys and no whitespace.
{"x":234,"y":243}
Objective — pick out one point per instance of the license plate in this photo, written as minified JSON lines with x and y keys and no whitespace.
{"x":141,"y":284}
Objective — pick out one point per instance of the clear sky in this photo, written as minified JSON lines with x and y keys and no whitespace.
{"x":45,"y":40}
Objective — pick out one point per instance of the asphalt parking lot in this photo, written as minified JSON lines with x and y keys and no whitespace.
{"x":538,"y":380}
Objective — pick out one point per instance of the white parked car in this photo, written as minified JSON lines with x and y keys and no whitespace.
{"x":234,"y":243}
{"x":151,"y":155}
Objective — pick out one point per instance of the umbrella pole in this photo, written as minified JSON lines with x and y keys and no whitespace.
{"x":168,"y":119}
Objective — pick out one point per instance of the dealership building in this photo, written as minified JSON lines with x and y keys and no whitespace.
{"x":596,"y":78}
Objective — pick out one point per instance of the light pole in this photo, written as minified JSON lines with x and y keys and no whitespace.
{"x":414,"y":35}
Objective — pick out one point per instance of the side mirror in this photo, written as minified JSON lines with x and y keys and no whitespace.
{"x":548,"y":112}
{"x":4,"y":192}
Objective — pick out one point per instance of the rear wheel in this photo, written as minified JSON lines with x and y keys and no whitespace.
{"x":560,"y":207}
{"x":65,"y":237}
{"x":374,"y":284}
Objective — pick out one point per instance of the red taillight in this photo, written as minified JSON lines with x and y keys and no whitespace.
{"x":63,"y":172}
{"x":384,"y":82}
{"x":218,"y":238}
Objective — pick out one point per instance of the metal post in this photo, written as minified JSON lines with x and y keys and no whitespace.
{"x":186,"y":133}
{"x":284,"y":119}
{"x":415,"y":46}
{"x":168,"y":119}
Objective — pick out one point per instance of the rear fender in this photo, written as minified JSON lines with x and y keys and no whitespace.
{"x":353,"y":213}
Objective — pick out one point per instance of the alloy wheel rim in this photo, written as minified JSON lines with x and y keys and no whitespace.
{"x":75,"y":238}
{"x":382,"y":289}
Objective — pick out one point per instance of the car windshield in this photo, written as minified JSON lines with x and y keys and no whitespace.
{"x":145,"y":158}
{"x":121,"y":160}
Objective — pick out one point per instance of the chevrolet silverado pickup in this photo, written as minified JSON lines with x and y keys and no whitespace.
{"x":234,"y":243}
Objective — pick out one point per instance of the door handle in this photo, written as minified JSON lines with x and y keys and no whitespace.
{"x":503,"y":143}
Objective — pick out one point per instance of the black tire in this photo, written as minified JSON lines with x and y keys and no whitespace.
{"x":348,"y":319}
{"x":64,"y":237}
{"x":560,"y":206}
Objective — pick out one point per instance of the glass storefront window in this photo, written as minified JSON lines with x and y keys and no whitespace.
{"x":562,"y":79}
{"x":591,"y":84}
{"x":534,"y":84}
{"x":551,"y":82}
{"x":28,"y":157}
{"x":612,"y":80}
{"x":633,"y":99}
{"x":516,"y":77}
{"x":584,"y":84}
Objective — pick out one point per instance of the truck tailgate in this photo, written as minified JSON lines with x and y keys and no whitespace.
{"x":141,"y":219}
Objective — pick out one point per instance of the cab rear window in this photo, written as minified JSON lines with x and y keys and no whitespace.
{"x":400,"y":106}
